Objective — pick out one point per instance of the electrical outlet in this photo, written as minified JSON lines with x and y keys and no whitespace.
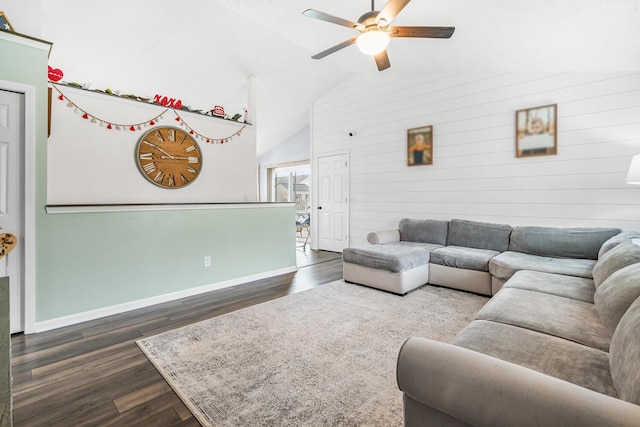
{"x":207,"y":261}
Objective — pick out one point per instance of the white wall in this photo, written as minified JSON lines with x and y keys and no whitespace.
{"x":475,"y":174}
{"x":199,"y":51}
{"x":25,"y":16}
{"x":89,"y":164}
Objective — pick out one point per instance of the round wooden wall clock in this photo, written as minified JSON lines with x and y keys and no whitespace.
{"x":168,"y":157}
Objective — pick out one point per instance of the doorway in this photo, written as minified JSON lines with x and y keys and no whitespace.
{"x":332,"y":215}
{"x":291,"y":183}
{"x":12,"y":199}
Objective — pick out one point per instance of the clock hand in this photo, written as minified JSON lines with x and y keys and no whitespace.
{"x":191,"y":159}
{"x":159,"y":149}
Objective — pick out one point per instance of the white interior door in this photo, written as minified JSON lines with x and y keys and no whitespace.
{"x":12,"y":198}
{"x":333,"y":202}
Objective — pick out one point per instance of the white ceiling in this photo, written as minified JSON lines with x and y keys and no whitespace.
{"x":206,"y":51}
{"x":490,"y":35}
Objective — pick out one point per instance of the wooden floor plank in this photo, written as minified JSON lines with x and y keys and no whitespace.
{"x":50,"y":386}
{"x":181,"y":409}
{"x":94,"y":374}
{"x":98,"y":359}
{"x":142,"y":396}
{"x":49,"y":355}
{"x":73,"y":402}
{"x":166,"y":418}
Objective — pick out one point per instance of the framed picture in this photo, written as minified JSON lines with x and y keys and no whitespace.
{"x":420,"y":146}
{"x":5,"y":24}
{"x":536,"y":131}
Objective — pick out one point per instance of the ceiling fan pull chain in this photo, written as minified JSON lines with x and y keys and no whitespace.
{"x":373,"y":6}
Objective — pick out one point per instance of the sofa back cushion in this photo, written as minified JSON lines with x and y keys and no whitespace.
{"x":423,"y":231}
{"x":626,"y":253}
{"x":616,"y":240}
{"x":480,"y":235}
{"x":624,"y":355}
{"x":581,"y":243}
{"x":614,"y":296}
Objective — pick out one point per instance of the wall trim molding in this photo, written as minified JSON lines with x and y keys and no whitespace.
{"x":86,"y":316}
{"x":71,"y":209}
{"x":25,"y":40}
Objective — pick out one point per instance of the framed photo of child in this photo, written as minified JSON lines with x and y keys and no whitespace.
{"x":420,"y":146}
{"x":5,"y":24}
{"x":536,"y":131}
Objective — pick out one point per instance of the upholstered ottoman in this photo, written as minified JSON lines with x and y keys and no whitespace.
{"x":397,"y":260}
{"x":395,"y":267}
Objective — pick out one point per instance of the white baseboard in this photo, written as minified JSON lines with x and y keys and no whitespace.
{"x":86,"y":316}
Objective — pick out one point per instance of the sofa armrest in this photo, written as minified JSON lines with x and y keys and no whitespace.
{"x":481,"y":390}
{"x":382,"y":237}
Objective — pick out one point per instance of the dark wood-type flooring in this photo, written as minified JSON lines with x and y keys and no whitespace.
{"x":93,"y":374}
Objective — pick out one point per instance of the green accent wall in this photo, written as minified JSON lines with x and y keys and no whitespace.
{"x":96,"y":260}
{"x":88,"y":261}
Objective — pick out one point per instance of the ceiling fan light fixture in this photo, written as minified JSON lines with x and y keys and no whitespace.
{"x":373,"y":41}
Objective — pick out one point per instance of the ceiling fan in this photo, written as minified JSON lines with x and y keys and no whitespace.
{"x":375,"y":31}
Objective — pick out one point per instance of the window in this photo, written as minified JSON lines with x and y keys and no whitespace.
{"x":291,"y":184}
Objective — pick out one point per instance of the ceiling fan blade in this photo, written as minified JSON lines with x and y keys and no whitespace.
{"x":390,"y":11}
{"x":426,"y":32}
{"x":311,"y":13}
{"x":382,"y":60}
{"x":335,"y":48}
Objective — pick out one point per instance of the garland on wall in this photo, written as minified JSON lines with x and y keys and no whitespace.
{"x":133,"y":127}
{"x":207,"y":139}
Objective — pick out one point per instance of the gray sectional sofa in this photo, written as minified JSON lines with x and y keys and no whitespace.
{"x":469,"y":255}
{"x":558,"y":344}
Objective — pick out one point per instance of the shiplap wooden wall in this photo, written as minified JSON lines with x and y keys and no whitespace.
{"x":475,"y":174}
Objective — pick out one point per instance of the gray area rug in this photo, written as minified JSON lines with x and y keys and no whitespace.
{"x":322,"y":357}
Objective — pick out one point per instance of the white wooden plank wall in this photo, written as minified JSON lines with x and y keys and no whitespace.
{"x":475,"y":174}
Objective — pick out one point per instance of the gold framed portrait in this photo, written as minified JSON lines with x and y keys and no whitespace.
{"x":536,"y":131}
{"x":420,"y":146}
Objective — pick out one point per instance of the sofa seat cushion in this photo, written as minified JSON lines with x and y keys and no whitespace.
{"x":582,"y":243}
{"x":560,"y":358}
{"x":616,"y":294}
{"x":463,"y":257}
{"x":393,"y":257}
{"x":566,"y":318}
{"x":504,"y":266}
{"x":578,"y":288}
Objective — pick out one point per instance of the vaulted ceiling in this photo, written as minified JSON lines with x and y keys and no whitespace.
{"x":491,"y":35}
{"x":206,"y":52}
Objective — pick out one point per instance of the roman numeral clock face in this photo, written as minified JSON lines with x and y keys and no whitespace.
{"x":168,"y":157}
